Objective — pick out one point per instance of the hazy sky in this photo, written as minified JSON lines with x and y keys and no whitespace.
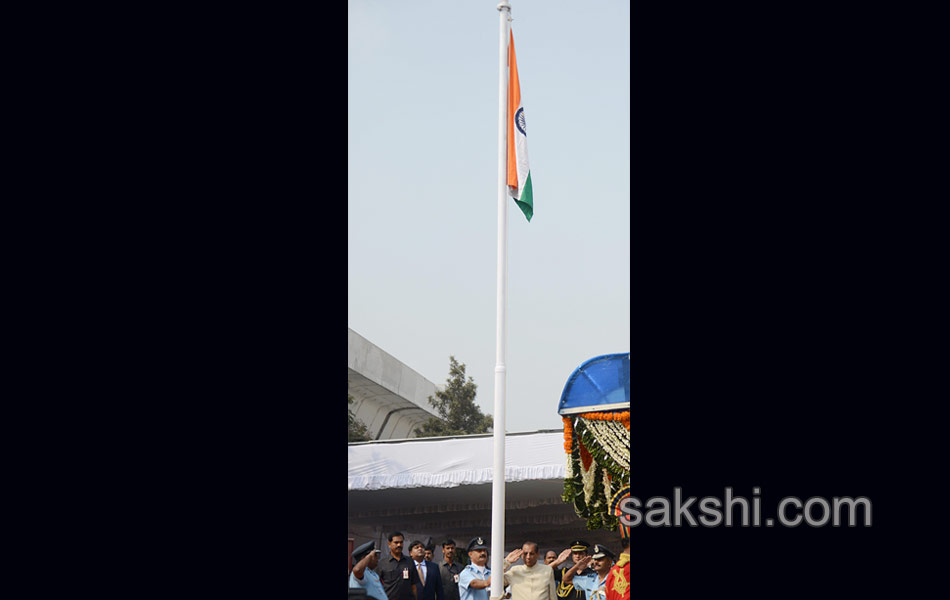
{"x":422,"y":113}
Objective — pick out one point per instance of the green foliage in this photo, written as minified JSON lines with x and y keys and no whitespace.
{"x":458,"y":413}
{"x":356,"y":429}
{"x":461,"y":557}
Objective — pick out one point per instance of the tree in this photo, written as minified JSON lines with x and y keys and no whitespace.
{"x":458,"y":413}
{"x":356,"y":429}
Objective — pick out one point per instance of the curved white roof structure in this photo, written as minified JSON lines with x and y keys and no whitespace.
{"x":389,"y":397}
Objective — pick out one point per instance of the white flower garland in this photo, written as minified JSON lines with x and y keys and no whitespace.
{"x":588,"y":478}
{"x":614,"y":438}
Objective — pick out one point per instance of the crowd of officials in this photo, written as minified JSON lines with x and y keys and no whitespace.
{"x":581,"y":572}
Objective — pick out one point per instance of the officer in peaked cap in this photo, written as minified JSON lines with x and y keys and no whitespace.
{"x":475,"y":578}
{"x":592,"y":585}
{"x":601,"y":552}
{"x":477,"y":543}
{"x":579,"y":549}
{"x":579,"y":546}
{"x":362,"y":550}
{"x":363,"y":576}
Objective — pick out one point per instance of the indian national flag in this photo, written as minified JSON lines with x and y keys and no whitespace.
{"x":519,"y":177}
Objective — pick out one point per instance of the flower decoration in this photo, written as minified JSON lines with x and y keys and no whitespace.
{"x":597,"y":445}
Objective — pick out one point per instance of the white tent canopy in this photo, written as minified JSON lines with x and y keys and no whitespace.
{"x":450,"y":462}
{"x":441,"y":487}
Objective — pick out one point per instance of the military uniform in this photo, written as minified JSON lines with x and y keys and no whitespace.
{"x":618,"y":580}
{"x":569,"y":592}
{"x":591,"y":585}
{"x":472,"y":572}
{"x":370,"y":581}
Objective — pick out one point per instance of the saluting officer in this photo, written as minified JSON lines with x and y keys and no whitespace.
{"x":594,"y":585}
{"x":579,"y":550}
{"x":363,"y":576}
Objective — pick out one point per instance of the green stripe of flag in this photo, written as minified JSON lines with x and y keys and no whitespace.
{"x":526,"y":202}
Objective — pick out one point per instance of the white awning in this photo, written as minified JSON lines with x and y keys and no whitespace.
{"x":451,"y":462}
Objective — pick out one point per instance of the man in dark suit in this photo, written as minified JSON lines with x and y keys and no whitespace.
{"x":428,"y":572}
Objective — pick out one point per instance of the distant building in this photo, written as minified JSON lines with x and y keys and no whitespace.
{"x":388,"y":397}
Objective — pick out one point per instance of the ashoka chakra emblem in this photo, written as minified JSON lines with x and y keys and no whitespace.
{"x":519,"y":121}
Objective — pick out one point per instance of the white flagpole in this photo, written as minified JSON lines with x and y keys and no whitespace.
{"x":498,"y":478}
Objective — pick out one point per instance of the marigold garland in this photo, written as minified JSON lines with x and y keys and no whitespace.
{"x":568,"y":434}
{"x":623,"y":417}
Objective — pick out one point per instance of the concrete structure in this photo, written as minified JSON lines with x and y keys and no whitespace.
{"x":389,"y":397}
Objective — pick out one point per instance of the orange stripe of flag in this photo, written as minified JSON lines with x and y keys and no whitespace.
{"x":514,"y":100}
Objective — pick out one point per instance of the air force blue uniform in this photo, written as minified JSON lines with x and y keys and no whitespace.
{"x":469,"y":573}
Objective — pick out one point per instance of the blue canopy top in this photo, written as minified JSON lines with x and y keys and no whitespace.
{"x":599,"y":384}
